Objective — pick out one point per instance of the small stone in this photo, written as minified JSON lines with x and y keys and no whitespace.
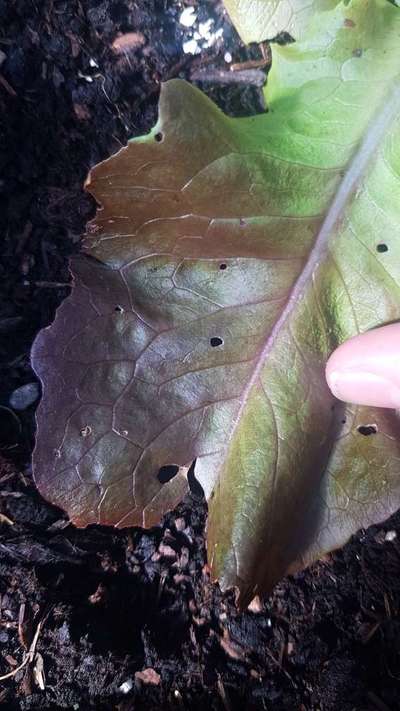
{"x":24,"y":396}
{"x":390,"y":536}
{"x":148,"y":676}
{"x":63,"y":634}
{"x":289,"y":648}
{"x":191,"y":47}
{"x":126,"y":686}
{"x":188,"y":17}
{"x":184,"y":557}
{"x":188,"y":532}
{"x":180,"y":524}
{"x":255,"y":605}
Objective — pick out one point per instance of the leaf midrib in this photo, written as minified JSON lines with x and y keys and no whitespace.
{"x":357,"y":166}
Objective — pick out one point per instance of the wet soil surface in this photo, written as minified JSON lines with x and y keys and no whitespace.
{"x":129,"y":620}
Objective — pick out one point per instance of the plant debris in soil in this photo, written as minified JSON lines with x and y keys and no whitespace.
{"x":129,"y":620}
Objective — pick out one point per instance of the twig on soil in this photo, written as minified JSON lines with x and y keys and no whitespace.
{"x":30,"y":654}
{"x":51,"y":284}
{"x":387,"y":605}
{"x":222,"y":693}
{"x":38,"y":672}
{"x":161,"y":584}
{"x":3,"y":695}
{"x":21,"y":627}
{"x":281,"y":667}
{"x":7,"y":86}
{"x":365,"y":638}
{"x":212,"y":75}
{"x":264,"y":61}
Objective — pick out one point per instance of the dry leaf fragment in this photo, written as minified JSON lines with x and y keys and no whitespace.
{"x":128,"y":42}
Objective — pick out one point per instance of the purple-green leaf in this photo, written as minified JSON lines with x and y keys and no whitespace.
{"x":227,"y":261}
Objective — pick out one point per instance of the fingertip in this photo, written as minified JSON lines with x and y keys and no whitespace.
{"x":366,"y":369}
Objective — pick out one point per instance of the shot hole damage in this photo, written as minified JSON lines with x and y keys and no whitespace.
{"x":159,"y":137}
{"x":367,"y":430}
{"x":166,"y":473}
{"x":382,"y":247}
{"x":215,"y":342}
{"x":222,"y":266}
{"x":119,"y":309}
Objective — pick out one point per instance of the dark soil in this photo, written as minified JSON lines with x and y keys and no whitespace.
{"x":103,"y":605}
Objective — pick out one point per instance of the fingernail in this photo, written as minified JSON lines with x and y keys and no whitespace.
{"x":363,"y":388}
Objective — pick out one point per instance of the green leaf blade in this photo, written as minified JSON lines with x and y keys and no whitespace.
{"x":258,"y":20}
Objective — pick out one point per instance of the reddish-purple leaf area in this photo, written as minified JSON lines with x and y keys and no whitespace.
{"x":142,"y":359}
{"x":87,"y":361}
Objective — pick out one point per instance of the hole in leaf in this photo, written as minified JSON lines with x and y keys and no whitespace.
{"x":167,"y":473}
{"x":242,"y":222}
{"x":119,"y":309}
{"x":382,"y":247}
{"x":343,"y":421}
{"x":159,"y":137}
{"x":194,"y":485}
{"x":215,"y":342}
{"x":367,"y":430}
{"x":222,"y":266}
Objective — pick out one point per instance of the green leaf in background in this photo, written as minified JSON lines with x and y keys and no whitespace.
{"x":229,"y":258}
{"x":258,"y":20}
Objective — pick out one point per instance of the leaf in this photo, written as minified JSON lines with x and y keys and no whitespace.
{"x":258,"y":20}
{"x":227,"y":261}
